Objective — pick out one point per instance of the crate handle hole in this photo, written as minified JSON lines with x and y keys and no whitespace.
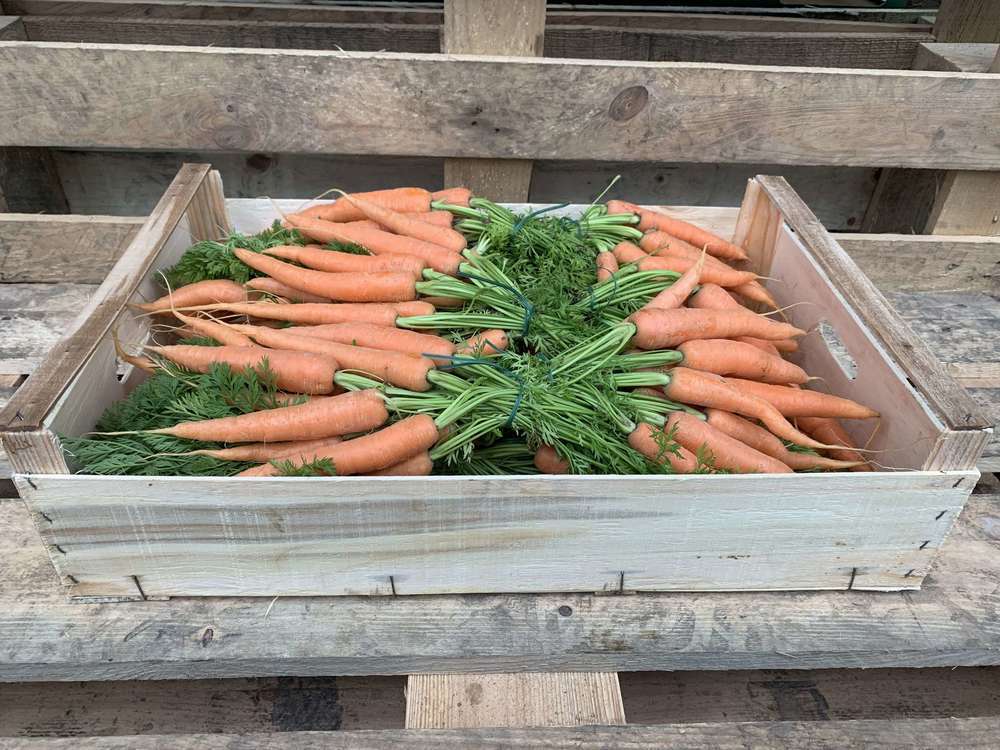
{"x":835,"y":344}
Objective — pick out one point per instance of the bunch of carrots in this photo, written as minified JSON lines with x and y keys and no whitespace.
{"x":405,"y":332}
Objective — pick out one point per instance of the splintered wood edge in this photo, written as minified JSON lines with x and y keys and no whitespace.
{"x":956,"y":408}
{"x":31,"y":403}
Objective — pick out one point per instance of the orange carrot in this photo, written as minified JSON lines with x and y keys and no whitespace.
{"x":607,"y":266}
{"x":755,"y":292}
{"x":644,"y":439}
{"x":726,"y":452}
{"x":419,"y":465}
{"x":409,"y":226}
{"x":397,"y":368}
{"x":378,"y":242}
{"x":438,"y":218}
{"x":334,"y":261}
{"x":797,"y":402}
{"x":548,"y":461}
{"x":764,"y":346}
{"x":485,"y":344}
{"x":213,"y":330}
{"x":626,"y":252}
{"x":709,"y":274}
{"x":399,"y":199}
{"x":199,"y":293}
{"x":262,"y":452}
{"x":379,"y":450}
{"x":674,"y":295}
{"x":379,"y":337}
{"x":294,"y":372}
{"x":713,"y":297}
{"x":761,"y":440}
{"x":711,"y":243}
{"x":315,"y":313}
{"x":660,"y":244}
{"x":342,"y":287}
{"x":737,"y":359}
{"x":704,"y":389}
{"x":357,"y":411}
{"x":456,"y":196}
{"x":663,"y":329}
{"x":830,"y":431}
{"x":271,"y":286}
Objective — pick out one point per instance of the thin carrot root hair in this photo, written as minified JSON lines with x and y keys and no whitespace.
{"x":781,"y":310}
{"x":319,"y":197}
{"x":276,"y":208}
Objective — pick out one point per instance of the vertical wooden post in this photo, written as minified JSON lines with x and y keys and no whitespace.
{"x":487,"y":27}
{"x":968,"y":21}
{"x":29,"y":182}
{"x":967,"y":202}
{"x":526,"y":699}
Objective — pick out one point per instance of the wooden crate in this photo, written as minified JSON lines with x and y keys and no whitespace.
{"x":129,"y":537}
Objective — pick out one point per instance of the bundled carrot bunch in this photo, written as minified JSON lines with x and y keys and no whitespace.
{"x":404,"y":332}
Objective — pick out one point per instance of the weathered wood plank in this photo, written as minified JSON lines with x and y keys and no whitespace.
{"x":171,"y":707}
{"x":968,"y":21}
{"x":837,"y":50}
{"x":872,"y":51}
{"x":35,"y":317}
{"x":971,"y":733}
{"x":124,"y":183}
{"x":28,"y":178}
{"x":53,"y":249}
{"x":258,"y":34}
{"x":536,"y":110}
{"x":480,"y":27}
{"x":976,"y":374}
{"x":952,"y":621}
{"x":567,"y":533}
{"x":970,"y":58}
{"x":300,"y":12}
{"x":33,"y":400}
{"x":527,"y":699}
{"x":810,"y":695}
{"x":901,"y":262}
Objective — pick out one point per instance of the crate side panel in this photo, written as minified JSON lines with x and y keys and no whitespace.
{"x":908,"y":431}
{"x":183,"y":536}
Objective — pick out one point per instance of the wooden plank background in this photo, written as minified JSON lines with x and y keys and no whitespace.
{"x":100,"y":97}
{"x":952,"y":621}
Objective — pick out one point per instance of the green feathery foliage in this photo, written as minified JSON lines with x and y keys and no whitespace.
{"x":167,"y":397}
{"x":213,"y":259}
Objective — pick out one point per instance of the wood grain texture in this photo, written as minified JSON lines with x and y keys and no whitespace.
{"x":251,"y":33}
{"x":34,"y":399}
{"x":537,"y":109}
{"x":971,"y":733}
{"x":839,"y":50}
{"x":967,"y":203}
{"x":28,"y":178}
{"x":35,"y":317}
{"x":968,"y":21}
{"x":970,"y":58}
{"x":952,"y":621}
{"x":130,"y":183}
{"x":527,"y":699}
{"x":773,"y":47}
{"x":482,"y":27}
{"x":906,"y":262}
{"x":172,"y":707}
{"x":976,"y":375}
{"x":478,"y":535}
{"x":926,"y":373}
{"x":53,"y":249}
{"x":931,"y":201}
{"x":309,"y":12}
